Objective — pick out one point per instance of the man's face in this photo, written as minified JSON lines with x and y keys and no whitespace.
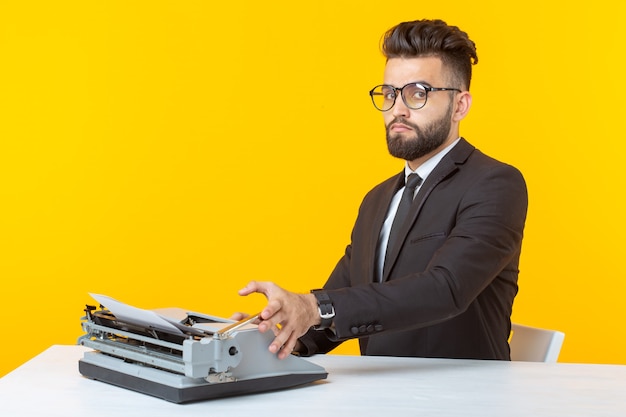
{"x":418,"y":134}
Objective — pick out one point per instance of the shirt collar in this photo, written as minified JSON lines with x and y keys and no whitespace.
{"x":427,"y":167}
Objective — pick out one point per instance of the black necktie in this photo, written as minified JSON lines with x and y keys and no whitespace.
{"x":412,"y":182}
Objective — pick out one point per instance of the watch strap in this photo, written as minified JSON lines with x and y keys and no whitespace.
{"x":325,"y":308}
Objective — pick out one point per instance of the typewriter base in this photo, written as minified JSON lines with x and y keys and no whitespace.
{"x":180,"y":390}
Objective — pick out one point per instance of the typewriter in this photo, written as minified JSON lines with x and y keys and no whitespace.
{"x":182,"y":356}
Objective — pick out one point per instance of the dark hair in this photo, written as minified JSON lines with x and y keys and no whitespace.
{"x":433,"y":38}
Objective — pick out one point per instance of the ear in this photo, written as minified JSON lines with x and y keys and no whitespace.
{"x":463,"y":102}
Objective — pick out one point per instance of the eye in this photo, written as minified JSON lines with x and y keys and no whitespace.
{"x":389,"y":93}
{"x":418,"y":93}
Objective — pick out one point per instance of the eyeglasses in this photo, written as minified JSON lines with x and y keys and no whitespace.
{"x":414,"y":95}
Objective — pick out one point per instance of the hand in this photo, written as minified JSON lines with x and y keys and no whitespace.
{"x":287,"y":314}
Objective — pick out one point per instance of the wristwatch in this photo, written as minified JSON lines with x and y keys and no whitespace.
{"x":325,"y":308}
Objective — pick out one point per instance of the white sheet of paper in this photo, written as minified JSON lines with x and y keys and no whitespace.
{"x":134,"y":315}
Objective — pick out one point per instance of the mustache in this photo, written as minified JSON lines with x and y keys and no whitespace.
{"x":402,"y":120}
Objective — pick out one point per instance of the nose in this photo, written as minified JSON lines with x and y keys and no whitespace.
{"x":400,"y":109}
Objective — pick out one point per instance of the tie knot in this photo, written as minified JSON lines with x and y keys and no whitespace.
{"x":413,"y":181}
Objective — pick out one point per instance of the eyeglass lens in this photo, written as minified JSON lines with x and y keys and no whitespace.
{"x":384,"y":96}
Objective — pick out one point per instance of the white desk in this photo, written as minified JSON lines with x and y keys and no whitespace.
{"x":50,"y":385}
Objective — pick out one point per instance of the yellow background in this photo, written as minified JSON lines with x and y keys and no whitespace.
{"x":165,"y":153}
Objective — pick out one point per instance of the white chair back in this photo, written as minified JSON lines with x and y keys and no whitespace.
{"x":532,"y":344}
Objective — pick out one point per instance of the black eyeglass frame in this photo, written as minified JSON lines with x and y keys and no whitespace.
{"x":400,"y":92}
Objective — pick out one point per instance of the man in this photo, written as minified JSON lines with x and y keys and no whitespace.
{"x":441,"y":282}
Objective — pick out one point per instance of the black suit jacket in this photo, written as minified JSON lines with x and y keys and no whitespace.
{"x":450,"y":286}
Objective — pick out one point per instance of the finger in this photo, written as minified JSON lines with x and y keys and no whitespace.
{"x":278,"y":342}
{"x":285,"y":339}
{"x":288,"y":347}
{"x":271,"y":311}
{"x":250,"y":288}
{"x":257,"y":286}
{"x":271,"y":324}
{"x":239,"y":316}
{"x":284,"y":349}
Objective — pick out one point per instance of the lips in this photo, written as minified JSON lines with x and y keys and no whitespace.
{"x":400,"y":127}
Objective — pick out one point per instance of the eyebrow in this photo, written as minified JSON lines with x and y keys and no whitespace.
{"x":424,"y":83}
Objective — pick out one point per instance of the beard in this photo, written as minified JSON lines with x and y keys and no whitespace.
{"x":425,"y":140}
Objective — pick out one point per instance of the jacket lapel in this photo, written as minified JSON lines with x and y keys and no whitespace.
{"x":392,"y":187}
